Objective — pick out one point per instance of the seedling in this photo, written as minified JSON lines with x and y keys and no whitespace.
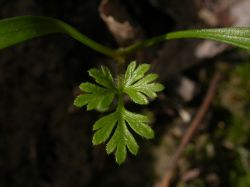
{"x":138,"y":87}
{"x":111,"y":90}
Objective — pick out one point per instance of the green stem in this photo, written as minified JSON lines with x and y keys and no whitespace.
{"x":71,"y":31}
{"x":18,"y":29}
{"x":120,"y":93}
{"x":234,"y":36}
{"x":152,"y":41}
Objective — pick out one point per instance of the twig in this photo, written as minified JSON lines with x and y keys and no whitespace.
{"x":165,"y":182}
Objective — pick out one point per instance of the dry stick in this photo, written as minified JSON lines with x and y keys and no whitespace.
{"x":165,"y":182}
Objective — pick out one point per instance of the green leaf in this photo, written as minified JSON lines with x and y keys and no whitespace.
{"x":133,"y":74}
{"x":122,"y":139}
{"x":236,"y":36}
{"x":139,"y":123}
{"x":104,"y":127}
{"x":103,"y":77}
{"x":131,"y":142}
{"x":18,"y":29}
{"x":239,"y":37}
{"x":138,"y":86}
{"x":95,"y":97}
{"x":115,"y":128}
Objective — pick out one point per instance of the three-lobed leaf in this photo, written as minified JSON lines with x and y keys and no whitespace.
{"x":139,"y":123}
{"x":99,"y":96}
{"x":114,"y":128}
{"x":122,"y":139}
{"x":103,"y":77}
{"x":138,"y":86}
{"x":104,"y":127}
{"x":95,"y":96}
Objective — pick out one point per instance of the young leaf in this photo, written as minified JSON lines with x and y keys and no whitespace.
{"x":236,"y":36}
{"x":94,"y":96}
{"x":138,"y":86}
{"x":139,"y":123}
{"x":115,"y":128}
{"x":103,"y":128}
{"x":18,"y":29}
{"x":122,"y":139}
{"x":103,"y":77}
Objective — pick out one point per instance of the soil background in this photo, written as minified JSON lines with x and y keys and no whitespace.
{"x":46,"y":141}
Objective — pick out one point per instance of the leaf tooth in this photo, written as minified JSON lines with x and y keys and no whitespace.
{"x":80,"y":100}
{"x":151,"y":89}
{"x":110,"y":147}
{"x":93,"y":72}
{"x":147,"y":79}
{"x":96,"y":97}
{"x":105,"y":102}
{"x":138,"y":126}
{"x":90,"y":87}
{"x":110,"y":118}
{"x":140,"y":87}
{"x":129,"y":72}
{"x":157,"y":87}
{"x":142,"y":69}
{"x":131,"y":143}
{"x":134,"y":116}
{"x":91,"y":105}
{"x":142,"y":129}
{"x":107,"y":73}
{"x":136,"y":96}
{"x":102,"y":134}
{"x":120,"y":154}
{"x":116,"y":138}
{"x":149,"y":92}
{"x":85,"y":87}
{"x":139,"y":72}
{"x":102,"y":77}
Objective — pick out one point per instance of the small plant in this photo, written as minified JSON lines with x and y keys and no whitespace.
{"x":109,"y":90}
{"x":134,"y":83}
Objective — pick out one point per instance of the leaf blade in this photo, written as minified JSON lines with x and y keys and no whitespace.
{"x":139,"y":86}
{"x":104,"y":127}
{"x":103,"y":77}
{"x":21,"y":28}
{"x":236,"y":36}
{"x":139,"y":123}
{"x":95,"y":97}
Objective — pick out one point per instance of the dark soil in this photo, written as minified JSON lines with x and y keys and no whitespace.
{"x":44,"y":140}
